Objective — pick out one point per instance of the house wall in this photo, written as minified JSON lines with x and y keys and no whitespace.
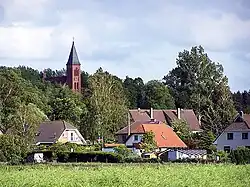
{"x":120,"y":139}
{"x":131,"y":140}
{"x":236,"y":142}
{"x":66,"y":137}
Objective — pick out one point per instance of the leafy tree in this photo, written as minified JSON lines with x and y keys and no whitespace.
{"x":148,"y":142}
{"x":181,"y":128}
{"x":123,"y":151}
{"x":199,"y":83}
{"x":134,"y":90}
{"x":158,"y":96}
{"x":107,"y":105}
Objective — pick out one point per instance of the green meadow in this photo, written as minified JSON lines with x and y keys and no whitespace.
{"x":103,"y":175}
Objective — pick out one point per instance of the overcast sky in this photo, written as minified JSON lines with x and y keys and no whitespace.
{"x":126,"y":37}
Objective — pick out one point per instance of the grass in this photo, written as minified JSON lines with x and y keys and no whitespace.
{"x":119,"y":175}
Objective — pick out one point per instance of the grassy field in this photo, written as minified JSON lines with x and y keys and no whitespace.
{"x":125,"y":175}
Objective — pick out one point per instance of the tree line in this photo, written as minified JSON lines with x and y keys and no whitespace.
{"x":100,"y":110}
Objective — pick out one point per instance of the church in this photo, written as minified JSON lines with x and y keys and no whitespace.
{"x":73,"y":72}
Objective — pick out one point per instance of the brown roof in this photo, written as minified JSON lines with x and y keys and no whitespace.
{"x":136,"y":127}
{"x":50,"y":131}
{"x":240,"y":125}
{"x":167,"y":116}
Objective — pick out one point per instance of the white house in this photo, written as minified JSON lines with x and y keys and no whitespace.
{"x":50,"y":132}
{"x":237,"y":134}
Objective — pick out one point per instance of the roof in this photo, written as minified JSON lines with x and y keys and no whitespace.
{"x":137,"y":127}
{"x":193,"y":151}
{"x":239,"y":124}
{"x":73,"y":57}
{"x":164,"y":134}
{"x":167,"y":116}
{"x":112,"y":145}
{"x":50,"y":131}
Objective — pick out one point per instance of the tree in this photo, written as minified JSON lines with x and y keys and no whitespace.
{"x":107,"y":105}
{"x":148,"y":142}
{"x":158,"y":96}
{"x":134,"y":90}
{"x":200,"y":84}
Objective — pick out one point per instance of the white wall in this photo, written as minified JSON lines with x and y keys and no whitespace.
{"x":66,"y":137}
{"x":131,"y":140}
{"x":236,"y":142}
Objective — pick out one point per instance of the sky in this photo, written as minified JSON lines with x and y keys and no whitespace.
{"x":138,"y":38}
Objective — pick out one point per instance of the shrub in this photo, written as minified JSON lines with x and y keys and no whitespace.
{"x":123,"y":151}
{"x":240,"y":156}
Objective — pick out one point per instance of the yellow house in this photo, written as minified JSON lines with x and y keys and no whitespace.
{"x":50,"y":132}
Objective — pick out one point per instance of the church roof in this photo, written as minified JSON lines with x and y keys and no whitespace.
{"x":73,"y":57}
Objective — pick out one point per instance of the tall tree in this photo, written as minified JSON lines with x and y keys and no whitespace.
{"x":134,"y":89}
{"x":107,"y":105}
{"x":200,"y":84}
{"x":158,"y":96}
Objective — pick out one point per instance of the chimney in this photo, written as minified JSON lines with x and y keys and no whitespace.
{"x":151,"y":113}
{"x":178,"y":113}
{"x":129,"y":130}
{"x":241,"y":114}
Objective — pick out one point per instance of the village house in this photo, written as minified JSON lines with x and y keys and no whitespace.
{"x":235,"y":135}
{"x":167,"y":117}
{"x":50,"y":132}
{"x":165,"y":137}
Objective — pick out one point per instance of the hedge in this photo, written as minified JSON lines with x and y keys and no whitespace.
{"x":95,"y":156}
{"x":240,"y":156}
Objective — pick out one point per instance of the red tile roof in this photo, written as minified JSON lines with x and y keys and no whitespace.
{"x":167,"y":116}
{"x":164,"y":134}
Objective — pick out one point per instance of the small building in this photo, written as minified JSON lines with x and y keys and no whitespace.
{"x":50,"y":132}
{"x":186,"y":153}
{"x":235,"y":135}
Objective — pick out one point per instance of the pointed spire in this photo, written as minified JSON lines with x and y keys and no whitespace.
{"x":73,"y":57}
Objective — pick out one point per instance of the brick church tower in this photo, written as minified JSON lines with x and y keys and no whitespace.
{"x":73,"y":70}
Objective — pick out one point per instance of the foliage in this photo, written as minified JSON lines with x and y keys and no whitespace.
{"x":158,"y":96}
{"x":123,"y":151}
{"x":135,"y":92}
{"x":223,"y":156}
{"x":206,"y":140}
{"x":181,"y":128}
{"x":107,"y":105}
{"x":148,"y":142}
{"x":13,"y":149}
{"x":200,"y":84}
{"x":240,"y":156}
{"x":102,"y":174}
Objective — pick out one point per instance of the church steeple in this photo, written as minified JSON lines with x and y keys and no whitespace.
{"x":73,"y":57}
{"x":74,"y":70}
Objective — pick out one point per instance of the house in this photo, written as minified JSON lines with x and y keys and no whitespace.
{"x":50,"y":132}
{"x":73,"y":72}
{"x":188,"y":153}
{"x":167,"y":116}
{"x":165,"y":137}
{"x":235,"y":135}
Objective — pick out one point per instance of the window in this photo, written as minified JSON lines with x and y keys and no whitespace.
{"x":72,"y":136}
{"x":124,"y":138}
{"x":136,"y":138}
{"x":244,"y":136}
{"x":230,"y":136}
{"x":227,"y":148}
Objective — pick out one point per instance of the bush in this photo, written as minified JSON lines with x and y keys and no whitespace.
{"x":240,"y":156}
{"x":123,"y":151}
{"x":141,"y":160}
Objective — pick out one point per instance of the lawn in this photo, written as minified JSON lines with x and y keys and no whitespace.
{"x":125,"y":175}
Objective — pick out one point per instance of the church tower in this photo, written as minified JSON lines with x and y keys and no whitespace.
{"x":74,"y":70}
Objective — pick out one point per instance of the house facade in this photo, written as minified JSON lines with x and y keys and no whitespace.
{"x":166,"y":116}
{"x":237,"y":134}
{"x":51,"y":132}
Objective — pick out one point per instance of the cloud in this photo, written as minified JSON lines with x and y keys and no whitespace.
{"x":126,"y":38}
